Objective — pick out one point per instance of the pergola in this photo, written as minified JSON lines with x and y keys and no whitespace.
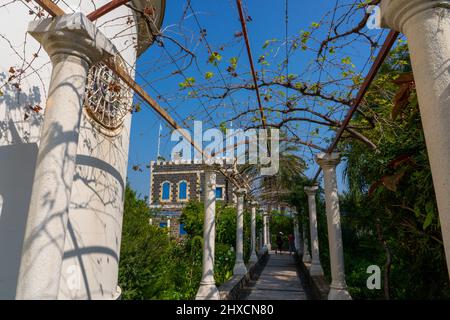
{"x":419,"y":20}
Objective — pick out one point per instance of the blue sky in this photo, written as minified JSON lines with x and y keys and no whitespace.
{"x":220,"y":21}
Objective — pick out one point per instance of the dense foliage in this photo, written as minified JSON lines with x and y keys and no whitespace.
{"x":152,"y":266}
{"x":390,"y":211}
{"x":192,"y":218}
{"x":281,"y":223}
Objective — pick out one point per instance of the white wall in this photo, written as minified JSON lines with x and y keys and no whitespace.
{"x":95,"y":217}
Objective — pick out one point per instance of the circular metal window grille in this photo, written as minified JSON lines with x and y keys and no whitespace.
{"x":108,"y":98}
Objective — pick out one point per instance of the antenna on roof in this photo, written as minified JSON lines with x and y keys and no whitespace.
{"x":159,"y":141}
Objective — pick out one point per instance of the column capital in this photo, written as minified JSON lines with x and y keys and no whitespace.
{"x":241,"y":192}
{"x":72,"y":34}
{"x":210,"y":179}
{"x":254,"y":204}
{"x":211,"y":167}
{"x":395,"y":13}
{"x":311,"y":190}
{"x":327,"y":160}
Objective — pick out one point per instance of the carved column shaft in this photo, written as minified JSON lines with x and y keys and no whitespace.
{"x":338,"y":287}
{"x":239,"y":266}
{"x":208,"y":289}
{"x":316,"y":267}
{"x":426,"y":24}
{"x":73,"y":44}
{"x":253,"y":256}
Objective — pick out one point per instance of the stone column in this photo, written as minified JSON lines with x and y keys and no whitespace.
{"x":208,"y":289}
{"x":264,"y":231}
{"x":426,"y":24}
{"x":316,"y":267}
{"x":168,"y":228}
{"x":296,"y":233}
{"x":269,"y":242}
{"x":73,"y":44}
{"x":239,"y":265}
{"x":253,"y":256}
{"x":306,"y":255}
{"x":260,"y":249}
{"x":338,"y":287}
{"x":300,"y":239}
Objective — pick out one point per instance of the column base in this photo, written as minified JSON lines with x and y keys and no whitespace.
{"x":207,"y":291}
{"x":253,"y":257}
{"x":239,"y":269}
{"x":118,"y":294}
{"x":306,"y":257}
{"x":269,"y":247}
{"x":315,"y":269}
{"x":339,"y":294}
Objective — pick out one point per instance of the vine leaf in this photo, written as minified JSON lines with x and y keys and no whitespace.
{"x":401,"y":99}
{"x":391,"y":182}
{"x":428,"y":219}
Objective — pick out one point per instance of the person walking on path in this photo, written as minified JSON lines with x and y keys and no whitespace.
{"x":279,"y":242}
{"x":291,"y":240}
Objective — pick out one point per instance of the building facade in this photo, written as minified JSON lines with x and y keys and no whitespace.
{"x":175,"y":183}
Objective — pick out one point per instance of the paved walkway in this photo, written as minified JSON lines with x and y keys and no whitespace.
{"x":278,"y":281}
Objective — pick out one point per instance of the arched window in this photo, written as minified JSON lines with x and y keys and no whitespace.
{"x":182,"y":190}
{"x":219,"y":193}
{"x":165,"y":191}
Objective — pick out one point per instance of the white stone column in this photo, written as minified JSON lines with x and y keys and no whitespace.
{"x":168,"y":228}
{"x":239,"y":265}
{"x":306,"y":256}
{"x":261,"y":245}
{"x":264,"y":231}
{"x":296,"y":233}
{"x":316,"y":267}
{"x":426,"y":24}
{"x":338,"y":287}
{"x":253,"y":256}
{"x":300,"y":240}
{"x":73,"y":44}
{"x":269,"y":242}
{"x":208,"y":289}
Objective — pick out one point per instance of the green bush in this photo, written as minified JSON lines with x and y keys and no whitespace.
{"x":154,"y":267}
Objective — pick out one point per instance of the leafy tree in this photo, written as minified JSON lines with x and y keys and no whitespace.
{"x":390,"y":212}
{"x":141,"y":248}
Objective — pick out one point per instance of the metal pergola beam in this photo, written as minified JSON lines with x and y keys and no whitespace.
{"x":384,"y":51}
{"x":54,"y":10}
{"x":106,"y":8}
{"x":250,"y":58}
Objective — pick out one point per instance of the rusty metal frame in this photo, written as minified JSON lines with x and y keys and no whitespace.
{"x":384,"y":51}
{"x":250,"y":58}
{"x":54,"y":10}
{"x":106,"y":8}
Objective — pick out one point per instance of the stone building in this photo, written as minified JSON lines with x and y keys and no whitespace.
{"x":174,"y":183}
